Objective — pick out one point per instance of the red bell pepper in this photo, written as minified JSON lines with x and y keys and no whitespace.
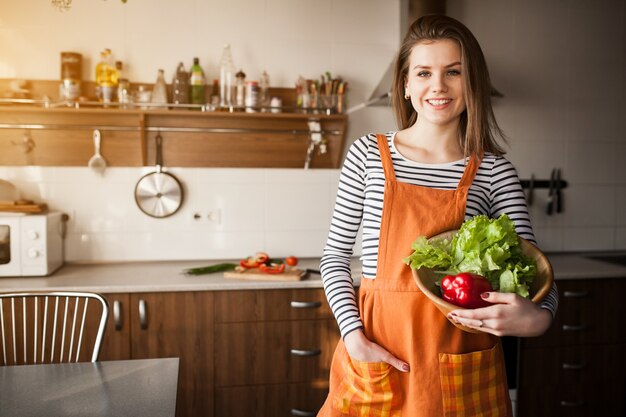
{"x":464,"y":289}
{"x":272,"y":268}
{"x":254,"y":261}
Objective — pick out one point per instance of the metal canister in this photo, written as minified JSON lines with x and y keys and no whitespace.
{"x":71,"y":75}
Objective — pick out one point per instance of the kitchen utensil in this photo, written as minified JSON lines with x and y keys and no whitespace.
{"x":255,"y":275}
{"x":8,"y":192}
{"x":97,"y":162}
{"x":159,"y":194}
{"x":551,"y":193}
{"x":23,"y":206}
{"x":531,"y":191}
{"x":426,"y":279}
{"x":558,"y":196}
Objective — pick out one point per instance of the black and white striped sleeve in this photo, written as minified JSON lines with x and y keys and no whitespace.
{"x":507,"y":196}
{"x":345,"y":223}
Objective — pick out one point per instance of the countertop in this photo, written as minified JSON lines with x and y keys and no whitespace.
{"x":168,"y":276}
{"x":143,"y":387}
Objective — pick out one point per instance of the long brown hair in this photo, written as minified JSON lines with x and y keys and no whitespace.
{"x":478,"y":127}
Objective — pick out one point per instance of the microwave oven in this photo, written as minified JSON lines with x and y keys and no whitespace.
{"x":31,"y":244}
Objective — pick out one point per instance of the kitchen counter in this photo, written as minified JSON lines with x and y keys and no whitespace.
{"x":164,"y":276}
{"x":168,"y":276}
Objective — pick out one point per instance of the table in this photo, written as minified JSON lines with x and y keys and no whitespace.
{"x":143,"y":387}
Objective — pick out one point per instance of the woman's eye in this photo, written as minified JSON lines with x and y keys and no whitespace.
{"x":454,"y":72}
{"x":423,"y":74}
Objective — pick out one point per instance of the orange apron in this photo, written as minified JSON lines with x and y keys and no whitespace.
{"x":453,"y":373}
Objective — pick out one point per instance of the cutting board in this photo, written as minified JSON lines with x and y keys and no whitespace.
{"x":255,"y":275}
{"x":23,"y":206}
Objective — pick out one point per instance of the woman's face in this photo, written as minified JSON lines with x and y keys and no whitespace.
{"x":434,"y":82}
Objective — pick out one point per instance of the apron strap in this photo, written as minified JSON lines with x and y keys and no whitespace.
{"x":470,"y":172}
{"x":385,"y":157}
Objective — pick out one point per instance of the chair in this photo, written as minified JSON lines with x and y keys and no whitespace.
{"x":51,"y":327}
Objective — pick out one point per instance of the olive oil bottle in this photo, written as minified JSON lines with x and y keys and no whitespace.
{"x":196,"y":83}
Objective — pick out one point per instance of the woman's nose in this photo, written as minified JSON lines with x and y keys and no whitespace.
{"x":439,"y":84}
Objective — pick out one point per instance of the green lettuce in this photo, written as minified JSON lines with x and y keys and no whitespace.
{"x":484,"y":246}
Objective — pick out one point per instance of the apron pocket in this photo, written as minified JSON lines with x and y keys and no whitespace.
{"x":473,"y":384}
{"x":368,"y":389}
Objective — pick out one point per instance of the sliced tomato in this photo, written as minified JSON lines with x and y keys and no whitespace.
{"x":291,"y":261}
{"x":272,"y":268}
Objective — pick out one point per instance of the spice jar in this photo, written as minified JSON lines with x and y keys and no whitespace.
{"x":252,"y":96}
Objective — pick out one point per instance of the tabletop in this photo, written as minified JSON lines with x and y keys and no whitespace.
{"x":143,"y":387}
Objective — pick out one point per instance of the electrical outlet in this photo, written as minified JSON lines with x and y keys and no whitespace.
{"x":215,"y":216}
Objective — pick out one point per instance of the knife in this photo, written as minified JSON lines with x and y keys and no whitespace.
{"x":551,"y":193}
{"x":559,"y":186}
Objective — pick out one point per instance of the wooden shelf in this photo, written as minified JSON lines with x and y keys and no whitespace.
{"x":62,"y":136}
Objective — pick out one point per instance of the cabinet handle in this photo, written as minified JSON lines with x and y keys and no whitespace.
{"x":574,"y":327}
{"x":302,"y":413}
{"x":572,"y":403}
{"x":575,"y":294}
{"x":117,"y":315}
{"x":143,"y":314}
{"x":573,"y":366}
{"x":301,"y":352}
{"x":305,"y":304}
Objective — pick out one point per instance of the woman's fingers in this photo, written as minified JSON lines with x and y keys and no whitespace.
{"x":363,"y":350}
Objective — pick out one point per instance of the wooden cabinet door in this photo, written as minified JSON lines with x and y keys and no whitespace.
{"x":116,"y":341}
{"x":303,"y":399}
{"x":273,"y":352}
{"x":178,"y":324}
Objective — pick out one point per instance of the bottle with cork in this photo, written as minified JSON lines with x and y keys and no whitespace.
{"x":106,"y":77}
{"x":180,"y":85}
{"x":196,"y":83}
{"x":123,"y":86}
{"x":240,"y":89}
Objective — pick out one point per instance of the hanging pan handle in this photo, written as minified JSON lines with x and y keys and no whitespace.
{"x":159,"y":152}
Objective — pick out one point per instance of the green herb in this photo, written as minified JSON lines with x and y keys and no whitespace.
{"x":210,"y":269}
{"x":484,"y":246}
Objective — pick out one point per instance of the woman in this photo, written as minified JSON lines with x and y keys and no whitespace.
{"x":399,"y":355}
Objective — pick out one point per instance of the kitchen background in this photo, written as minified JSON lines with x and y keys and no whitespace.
{"x":561,"y":66}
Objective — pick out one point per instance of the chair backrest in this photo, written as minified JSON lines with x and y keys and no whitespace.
{"x":51,"y":327}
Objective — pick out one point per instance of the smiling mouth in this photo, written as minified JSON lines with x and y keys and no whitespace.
{"x":438,"y":101}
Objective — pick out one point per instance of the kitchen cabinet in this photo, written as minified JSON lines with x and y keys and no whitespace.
{"x":274,"y":349}
{"x":163,"y":325}
{"x":577,"y":367}
{"x":64,"y":137}
{"x":271,"y":347}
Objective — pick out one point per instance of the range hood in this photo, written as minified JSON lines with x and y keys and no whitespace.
{"x":410,"y":10}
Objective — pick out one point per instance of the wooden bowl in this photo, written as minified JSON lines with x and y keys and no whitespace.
{"x":425,"y":279}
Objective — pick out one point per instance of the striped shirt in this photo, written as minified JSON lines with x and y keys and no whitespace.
{"x":496,"y":189}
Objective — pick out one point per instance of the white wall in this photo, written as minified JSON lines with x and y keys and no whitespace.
{"x":562,"y":68}
{"x":282,"y":211}
{"x":563,"y":107}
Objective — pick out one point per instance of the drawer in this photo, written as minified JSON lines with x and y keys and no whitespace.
{"x":569,"y":400}
{"x":587,"y":314}
{"x":300,"y":400}
{"x":291,"y":304}
{"x":273,"y":352}
{"x":576,"y":365}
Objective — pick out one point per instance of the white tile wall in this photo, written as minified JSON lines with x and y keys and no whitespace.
{"x":564,"y":106}
{"x":562,"y":69}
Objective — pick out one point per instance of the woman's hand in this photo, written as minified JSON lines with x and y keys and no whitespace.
{"x":362,"y":350}
{"x":510,"y":315}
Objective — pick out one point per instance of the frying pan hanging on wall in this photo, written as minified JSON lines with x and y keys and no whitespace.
{"x":159,"y":194}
